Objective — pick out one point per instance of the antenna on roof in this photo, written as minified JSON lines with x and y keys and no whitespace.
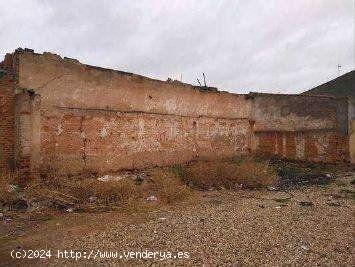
{"x":199,"y":82}
{"x":204,"y":79}
{"x":339,"y":66}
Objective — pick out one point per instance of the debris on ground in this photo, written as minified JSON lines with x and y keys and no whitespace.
{"x":92,"y":199}
{"x":306,"y":203}
{"x":293,"y":174}
{"x":271,"y":188}
{"x":135,"y":176}
{"x":152,"y":198}
{"x":104,"y":178}
{"x":304,"y":247}
{"x":19,"y":204}
{"x":107,"y":178}
{"x":14,"y":188}
{"x":91,"y":192}
{"x":70,"y":210}
{"x":244,"y":219}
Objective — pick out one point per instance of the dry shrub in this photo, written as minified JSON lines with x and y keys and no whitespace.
{"x":254,"y":174}
{"x":162,"y":183}
{"x":107,"y":193}
{"x":115,"y":192}
{"x":167,"y":186}
{"x":207,"y":175}
{"x":84,"y":191}
{"x":246,"y":173}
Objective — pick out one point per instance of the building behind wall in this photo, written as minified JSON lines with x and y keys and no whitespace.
{"x":60,"y":113}
{"x":342,"y":86}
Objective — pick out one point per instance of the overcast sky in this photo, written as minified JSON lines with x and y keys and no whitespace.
{"x":282,"y":46}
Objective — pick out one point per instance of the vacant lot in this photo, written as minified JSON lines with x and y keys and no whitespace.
{"x":307,"y":225}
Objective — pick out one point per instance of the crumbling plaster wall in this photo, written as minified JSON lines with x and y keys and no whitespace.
{"x":68,"y":83}
{"x":301,"y":127}
{"x":73,"y":116}
{"x":105,"y":120}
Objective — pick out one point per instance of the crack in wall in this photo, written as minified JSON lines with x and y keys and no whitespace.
{"x":151,"y":113}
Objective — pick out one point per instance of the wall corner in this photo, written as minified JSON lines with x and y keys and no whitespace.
{"x":27,"y":132}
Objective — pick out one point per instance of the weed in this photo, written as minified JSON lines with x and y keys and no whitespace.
{"x":169,"y":186}
{"x":179,"y":171}
{"x":242,"y":173}
{"x":85,"y":192}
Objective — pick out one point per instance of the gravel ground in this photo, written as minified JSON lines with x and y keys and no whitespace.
{"x":216,"y":228}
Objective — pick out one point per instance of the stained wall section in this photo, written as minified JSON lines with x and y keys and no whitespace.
{"x":105,"y":120}
{"x":301,"y":127}
{"x":108,"y":140}
{"x":76,"y":117}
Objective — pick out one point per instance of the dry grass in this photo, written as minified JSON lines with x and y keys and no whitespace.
{"x":113,"y":192}
{"x":169,"y":185}
{"x":246,"y":173}
{"x":254,"y":174}
{"x":79,"y":190}
{"x":89,"y":193}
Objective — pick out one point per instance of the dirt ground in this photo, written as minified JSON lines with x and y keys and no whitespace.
{"x":304,"y":226}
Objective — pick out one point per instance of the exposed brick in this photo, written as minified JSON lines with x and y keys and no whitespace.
{"x":290,"y":146}
{"x":107,"y":142}
{"x":7,"y":131}
{"x":74,"y":116}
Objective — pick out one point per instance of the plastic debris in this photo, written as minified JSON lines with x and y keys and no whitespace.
{"x":152,"y":198}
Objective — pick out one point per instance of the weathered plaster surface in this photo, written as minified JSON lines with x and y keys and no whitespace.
{"x":74,"y":116}
{"x":107,"y":120}
{"x":301,"y":127}
{"x":67,"y":83}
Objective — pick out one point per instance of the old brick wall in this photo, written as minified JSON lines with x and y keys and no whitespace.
{"x":108,"y":140}
{"x":301,"y":127}
{"x":7,"y":96}
{"x":74,"y":116}
{"x":105,"y":120}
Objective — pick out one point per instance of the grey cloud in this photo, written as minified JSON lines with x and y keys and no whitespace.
{"x":269,"y":46}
